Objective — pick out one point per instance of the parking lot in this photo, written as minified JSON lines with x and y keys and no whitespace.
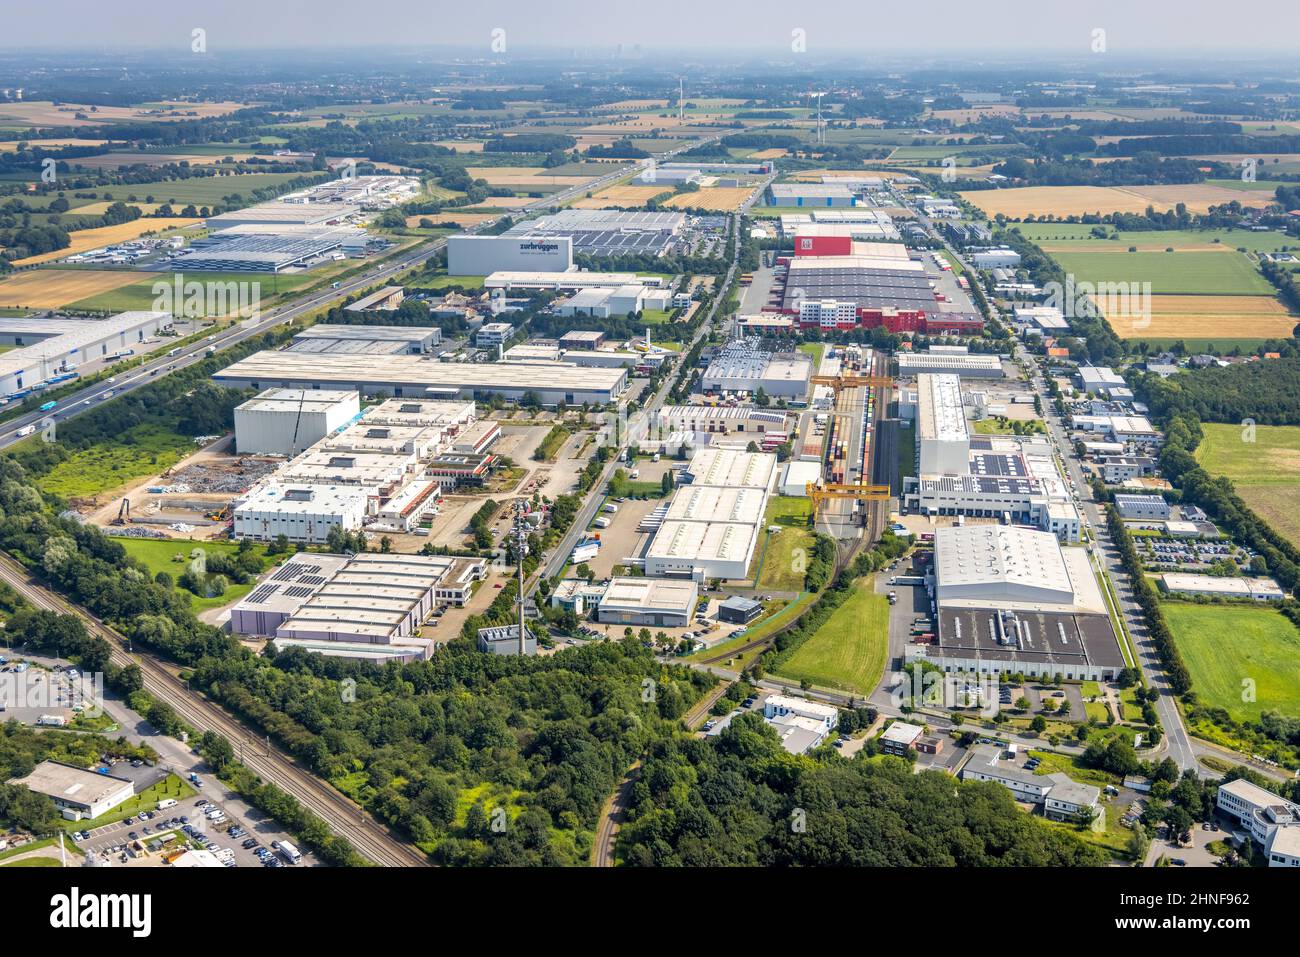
{"x":224,"y":837}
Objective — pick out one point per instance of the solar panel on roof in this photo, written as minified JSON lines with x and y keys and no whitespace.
{"x":261,"y":593}
{"x":299,"y":591}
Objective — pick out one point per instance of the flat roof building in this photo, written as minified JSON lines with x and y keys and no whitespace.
{"x":977,"y":366}
{"x":366,"y":340}
{"x":418,"y":377}
{"x":1258,"y":589}
{"x":286,"y":421}
{"x":942,"y":435}
{"x":300,"y":512}
{"x":51,"y":348}
{"x":80,"y":794}
{"x":648,"y":601}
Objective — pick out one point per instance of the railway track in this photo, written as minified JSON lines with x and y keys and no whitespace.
{"x":371,"y":840}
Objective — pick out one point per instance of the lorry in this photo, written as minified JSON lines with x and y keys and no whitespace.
{"x":289,"y":852}
{"x":26,"y":430}
{"x":602,"y":522}
{"x":45,"y":407}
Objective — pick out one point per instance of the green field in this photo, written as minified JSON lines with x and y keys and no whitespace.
{"x":1266,"y":471}
{"x":1225,"y":646}
{"x":140,"y":294}
{"x":848,"y":651}
{"x":143,"y":450}
{"x":1204,"y":273}
{"x":777,"y":568}
{"x":1080,"y":235}
{"x":171,"y":787}
{"x":173,"y":557}
{"x":199,"y":190}
{"x":815,"y":350}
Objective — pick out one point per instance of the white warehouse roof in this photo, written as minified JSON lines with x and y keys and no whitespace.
{"x":1000,"y":562}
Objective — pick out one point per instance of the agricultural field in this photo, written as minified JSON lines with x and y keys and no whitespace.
{"x":1265,"y":472}
{"x":1199,"y":273}
{"x":1022,"y":201}
{"x":1217,"y":319}
{"x":524,"y":177}
{"x":141,"y":451}
{"x":848,"y":651}
{"x":461,"y":220}
{"x":139,"y":292}
{"x":118,"y":160}
{"x":1077,"y":237}
{"x":721,"y":198}
{"x":86,"y":239}
{"x":197,"y":190}
{"x":777,"y":568}
{"x":613,"y":196}
{"x":1226,"y":645}
{"x":44,"y":113}
{"x":55,"y":288}
{"x":10,"y":146}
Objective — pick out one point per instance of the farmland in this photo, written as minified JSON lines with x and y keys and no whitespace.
{"x":139,"y":292}
{"x":53,"y":288}
{"x":621,"y":196}
{"x":1265,"y":472}
{"x":1041,"y":201}
{"x":1218,"y":319}
{"x":720,"y":198}
{"x":1205,"y":273}
{"x":1227,"y":645}
{"x":1077,"y":237}
{"x":86,"y":239}
{"x":848,"y":651}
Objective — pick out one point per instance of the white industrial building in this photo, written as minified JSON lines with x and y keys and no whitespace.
{"x":972,"y":366}
{"x":711,"y":525}
{"x":801,"y":724}
{"x":1257,"y":589}
{"x":419,"y":377}
{"x":567,"y":281}
{"x":300,"y":512}
{"x":943,"y":439}
{"x":995,"y":259}
{"x":605,"y":301}
{"x":78,"y":793}
{"x":1142,"y":507}
{"x":469,"y":255}
{"x":741,"y":367}
{"x":1011,"y":599}
{"x":373,"y":606}
{"x":366,"y":340}
{"x":1099,"y":379}
{"x":492,"y":334}
{"x":49,"y":348}
{"x":1046,"y":318}
{"x":648,"y":601}
{"x":286,"y":421}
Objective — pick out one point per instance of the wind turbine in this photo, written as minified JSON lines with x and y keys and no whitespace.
{"x":821,"y":139}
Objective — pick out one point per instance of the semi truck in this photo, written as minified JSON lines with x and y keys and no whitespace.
{"x":289,"y":852}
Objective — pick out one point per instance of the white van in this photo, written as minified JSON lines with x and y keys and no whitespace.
{"x":164,"y":805}
{"x":602,"y":522}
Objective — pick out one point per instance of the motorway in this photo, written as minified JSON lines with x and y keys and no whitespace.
{"x":88,"y":398}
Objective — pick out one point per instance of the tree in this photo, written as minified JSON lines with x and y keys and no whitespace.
{"x":1039,"y":723}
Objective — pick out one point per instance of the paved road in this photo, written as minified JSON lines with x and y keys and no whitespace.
{"x":1176,"y":741}
{"x":85,"y":399}
{"x":371,"y":839}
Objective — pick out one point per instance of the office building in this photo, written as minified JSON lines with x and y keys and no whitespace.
{"x":648,"y":601}
{"x":79,"y":793}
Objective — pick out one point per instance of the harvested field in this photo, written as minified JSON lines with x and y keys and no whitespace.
{"x":54,"y":288}
{"x":84,"y":239}
{"x":500,"y":202}
{"x":461,"y":146}
{"x":1209,"y":317}
{"x":118,"y":160}
{"x":450,"y":219}
{"x":767,"y":154}
{"x":622,"y":196}
{"x":1023,"y":201}
{"x":523,"y":176}
{"x":10,"y":146}
{"x":45,"y":113}
{"x":721,"y":198}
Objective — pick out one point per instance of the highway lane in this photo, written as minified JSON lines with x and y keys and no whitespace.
{"x":129,"y":380}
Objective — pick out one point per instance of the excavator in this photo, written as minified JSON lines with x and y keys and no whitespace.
{"x":123,"y":513}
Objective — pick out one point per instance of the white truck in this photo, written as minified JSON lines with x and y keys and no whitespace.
{"x":26,"y":430}
{"x":289,"y":852}
{"x":602,"y":522}
{"x":610,"y":507}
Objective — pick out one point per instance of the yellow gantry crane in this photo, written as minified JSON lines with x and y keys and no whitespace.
{"x":851,"y":380}
{"x":820,"y":492}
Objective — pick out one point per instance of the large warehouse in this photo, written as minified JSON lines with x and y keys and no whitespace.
{"x":605,"y":232}
{"x":301,"y":513}
{"x":528,"y":252}
{"x":742,"y":367}
{"x":1011,"y":599}
{"x":971,"y":366}
{"x":49,"y":347}
{"x":365,"y":606}
{"x":286,"y":421}
{"x":711,"y":526}
{"x":418,"y":377}
{"x":871,"y":278}
{"x":367,"y":340}
{"x":943,"y":440}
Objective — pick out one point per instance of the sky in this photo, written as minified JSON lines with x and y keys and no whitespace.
{"x":832,"y":28}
